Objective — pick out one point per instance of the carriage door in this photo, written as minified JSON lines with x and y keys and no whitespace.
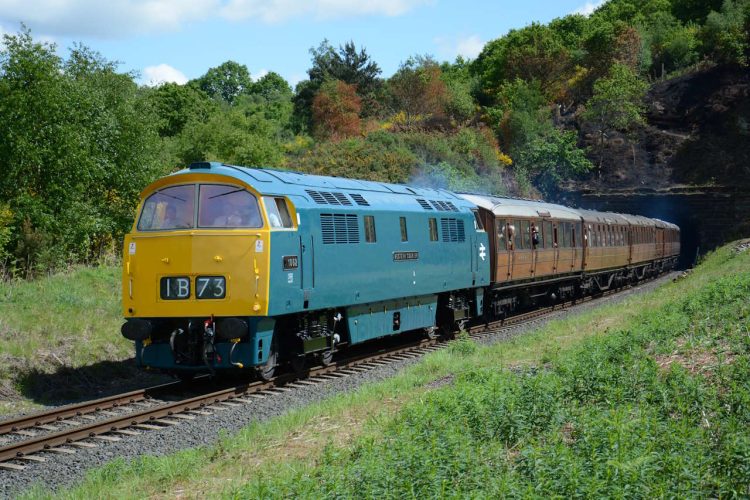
{"x":502,"y":269}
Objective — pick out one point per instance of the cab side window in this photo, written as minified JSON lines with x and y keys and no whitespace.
{"x":278,"y":212}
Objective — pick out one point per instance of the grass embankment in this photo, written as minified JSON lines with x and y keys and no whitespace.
{"x":55,"y":334}
{"x":650,"y":397}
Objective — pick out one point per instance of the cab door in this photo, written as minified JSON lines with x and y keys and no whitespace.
{"x":307,"y":254}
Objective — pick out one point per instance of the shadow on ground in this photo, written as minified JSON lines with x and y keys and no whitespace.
{"x":69,"y":385}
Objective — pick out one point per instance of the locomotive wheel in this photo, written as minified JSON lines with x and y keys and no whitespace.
{"x":326,"y":357}
{"x":267,"y":370}
{"x":432,"y":332}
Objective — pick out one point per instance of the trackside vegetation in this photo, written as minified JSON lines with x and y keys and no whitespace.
{"x":646,"y":397}
{"x":59,"y":336}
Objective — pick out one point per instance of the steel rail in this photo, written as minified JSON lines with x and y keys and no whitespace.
{"x":84,"y":408}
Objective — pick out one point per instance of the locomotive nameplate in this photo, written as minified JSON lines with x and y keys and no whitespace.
{"x":290,"y":262}
{"x":401,"y":256}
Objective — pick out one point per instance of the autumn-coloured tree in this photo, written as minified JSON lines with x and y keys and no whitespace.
{"x":418,"y":92}
{"x":335,"y":111}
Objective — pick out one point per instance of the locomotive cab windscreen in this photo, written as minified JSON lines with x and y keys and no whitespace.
{"x":192,"y":247}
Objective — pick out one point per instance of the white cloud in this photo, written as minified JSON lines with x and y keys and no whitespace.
{"x":468,"y":47}
{"x":273,"y":11}
{"x":163,"y":73}
{"x":105,"y":19}
{"x":588,"y":8}
{"x":260,"y":74}
{"x":117,"y":18}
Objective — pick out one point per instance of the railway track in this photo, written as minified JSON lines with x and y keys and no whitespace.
{"x":67,"y":429}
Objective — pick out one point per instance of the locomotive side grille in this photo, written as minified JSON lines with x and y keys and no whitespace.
{"x":360,"y":199}
{"x":424,"y":204}
{"x":437,"y":206}
{"x":451,"y":206}
{"x":453,"y":230}
{"x":339,"y":228}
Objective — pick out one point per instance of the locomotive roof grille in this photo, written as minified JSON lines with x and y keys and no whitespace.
{"x":359,"y":199}
{"x":424,"y":204}
{"x":329,"y":198}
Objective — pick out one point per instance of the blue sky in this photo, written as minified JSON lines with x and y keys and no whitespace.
{"x":175,"y":40}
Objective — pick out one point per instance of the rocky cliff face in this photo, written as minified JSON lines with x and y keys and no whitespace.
{"x":697,"y":133}
{"x":690,"y":164}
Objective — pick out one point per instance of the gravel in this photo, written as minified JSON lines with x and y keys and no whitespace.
{"x":65,"y":470}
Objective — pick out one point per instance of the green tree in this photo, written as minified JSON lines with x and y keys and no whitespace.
{"x":176,"y":105}
{"x":532,"y":53}
{"x":227,"y":81}
{"x":548,"y":159}
{"x":347,"y":64}
{"x":78,"y":142}
{"x":726,"y":34}
{"x":617,"y":103}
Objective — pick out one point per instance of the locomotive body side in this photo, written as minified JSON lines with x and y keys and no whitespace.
{"x":326,"y":263}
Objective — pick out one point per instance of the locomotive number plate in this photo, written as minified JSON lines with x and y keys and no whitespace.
{"x":290,"y":262}
{"x":210,"y":287}
{"x":174,"y":288}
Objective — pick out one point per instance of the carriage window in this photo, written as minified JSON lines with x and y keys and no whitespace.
{"x":524,"y":235}
{"x":566,"y":234}
{"x":501,"y":239}
{"x":370,"y":236}
{"x":227,"y":206}
{"x":579,"y":232}
{"x":278,"y":213}
{"x":433,"y":229}
{"x":169,"y":208}
{"x":404,"y":234}
{"x":536,"y":234}
{"x":547,"y":234}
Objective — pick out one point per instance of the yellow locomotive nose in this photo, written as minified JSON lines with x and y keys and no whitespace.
{"x":170,"y":275}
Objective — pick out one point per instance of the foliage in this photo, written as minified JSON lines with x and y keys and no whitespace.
{"x":726,"y":34}
{"x":617,"y":103}
{"x":78,"y":143}
{"x":459,"y":105}
{"x":227,"y":81}
{"x":418,"y":90}
{"x":346,"y":64}
{"x":335,"y":111}
{"x":548,"y":159}
{"x":176,"y":105}
{"x":359,"y":158}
